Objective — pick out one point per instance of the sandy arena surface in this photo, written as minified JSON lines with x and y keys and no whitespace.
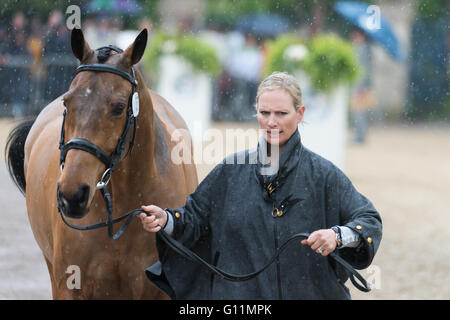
{"x":403,"y":170}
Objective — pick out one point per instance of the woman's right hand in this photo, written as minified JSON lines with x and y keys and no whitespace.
{"x":155,"y":221}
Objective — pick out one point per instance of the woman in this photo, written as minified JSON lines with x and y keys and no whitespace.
{"x":241,"y":213}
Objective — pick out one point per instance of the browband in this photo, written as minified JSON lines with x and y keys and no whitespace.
{"x":111,"y":47}
{"x":107,"y":68}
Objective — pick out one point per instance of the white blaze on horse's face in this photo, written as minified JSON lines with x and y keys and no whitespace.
{"x":88,"y":92}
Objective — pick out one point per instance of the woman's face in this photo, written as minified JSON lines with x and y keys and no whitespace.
{"x":277,"y":116}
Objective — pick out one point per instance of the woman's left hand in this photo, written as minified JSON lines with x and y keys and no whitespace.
{"x":322,"y":241}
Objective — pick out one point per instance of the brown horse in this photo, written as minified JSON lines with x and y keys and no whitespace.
{"x":95,"y":109}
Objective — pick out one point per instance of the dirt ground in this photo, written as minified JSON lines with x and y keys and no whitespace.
{"x":403,"y":170}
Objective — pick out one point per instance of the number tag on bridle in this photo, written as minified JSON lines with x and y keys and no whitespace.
{"x":135,"y":104}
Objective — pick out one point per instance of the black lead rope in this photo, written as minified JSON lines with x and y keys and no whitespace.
{"x":185,"y":252}
{"x":190,"y":255}
{"x":110,"y":222}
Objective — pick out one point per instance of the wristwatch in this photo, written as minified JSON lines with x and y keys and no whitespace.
{"x":337,"y":230}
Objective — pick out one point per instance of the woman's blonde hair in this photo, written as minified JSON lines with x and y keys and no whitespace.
{"x":284,"y":81}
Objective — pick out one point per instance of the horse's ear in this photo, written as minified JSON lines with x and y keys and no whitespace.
{"x":80,"y":48}
{"x":136,"y":50}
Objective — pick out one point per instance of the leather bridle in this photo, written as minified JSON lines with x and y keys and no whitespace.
{"x":110,"y":160}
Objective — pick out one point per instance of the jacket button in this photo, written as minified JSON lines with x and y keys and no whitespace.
{"x":177,"y":215}
{"x":369,"y":240}
{"x":358,"y":227}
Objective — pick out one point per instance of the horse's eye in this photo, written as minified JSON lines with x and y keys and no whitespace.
{"x":117,"y":109}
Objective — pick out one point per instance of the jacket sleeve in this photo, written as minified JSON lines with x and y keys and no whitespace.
{"x":175,"y":275}
{"x":191,"y":222}
{"x":357,"y":213}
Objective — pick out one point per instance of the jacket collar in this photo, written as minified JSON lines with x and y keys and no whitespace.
{"x":272,"y":171}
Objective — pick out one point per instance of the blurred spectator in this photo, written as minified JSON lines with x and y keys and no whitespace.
{"x":18,"y":81}
{"x":362,"y":97}
{"x":36,"y":60}
{"x":58,"y":55}
{"x":35,"y":44}
{"x":102,"y":32}
{"x":244,"y":66}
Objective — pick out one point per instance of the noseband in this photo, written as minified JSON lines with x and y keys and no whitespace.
{"x":110,"y":160}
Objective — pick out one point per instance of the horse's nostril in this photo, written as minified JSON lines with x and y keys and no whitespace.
{"x":63,"y":204}
{"x":82,"y":196}
{"x":75,"y":207}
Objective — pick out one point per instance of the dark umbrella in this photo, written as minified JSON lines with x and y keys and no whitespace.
{"x":130,"y":7}
{"x":357,"y":14}
{"x":264,"y":25}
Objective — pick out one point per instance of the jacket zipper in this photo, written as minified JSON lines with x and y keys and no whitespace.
{"x":280,"y":295}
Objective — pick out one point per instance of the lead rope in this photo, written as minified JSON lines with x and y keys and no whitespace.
{"x":188,"y":254}
{"x":110,"y":222}
{"x":185,"y":252}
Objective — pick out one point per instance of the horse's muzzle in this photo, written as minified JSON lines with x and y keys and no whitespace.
{"x":76,"y":206}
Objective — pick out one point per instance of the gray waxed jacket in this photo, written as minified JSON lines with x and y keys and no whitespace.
{"x":228,"y":221}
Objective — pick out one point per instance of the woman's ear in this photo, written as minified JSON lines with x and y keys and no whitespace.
{"x":135,"y":51}
{"x":80,"y":47}
{"x":301,"y":112}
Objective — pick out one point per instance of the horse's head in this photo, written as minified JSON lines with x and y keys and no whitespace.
{"x":97,"y":114}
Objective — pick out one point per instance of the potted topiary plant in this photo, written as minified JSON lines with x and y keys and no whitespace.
{"x":200,"y":56}
{"x":181,"y":68}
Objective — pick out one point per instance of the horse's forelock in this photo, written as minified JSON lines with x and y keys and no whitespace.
{"x":103,"y":55}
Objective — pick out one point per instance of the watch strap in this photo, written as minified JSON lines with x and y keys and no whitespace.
{"x":337,"y":230}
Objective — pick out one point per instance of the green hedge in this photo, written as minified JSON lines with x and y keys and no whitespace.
{"x":276,"y":59}
{"x":201,"y":56}
{"x":329,"y":60}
